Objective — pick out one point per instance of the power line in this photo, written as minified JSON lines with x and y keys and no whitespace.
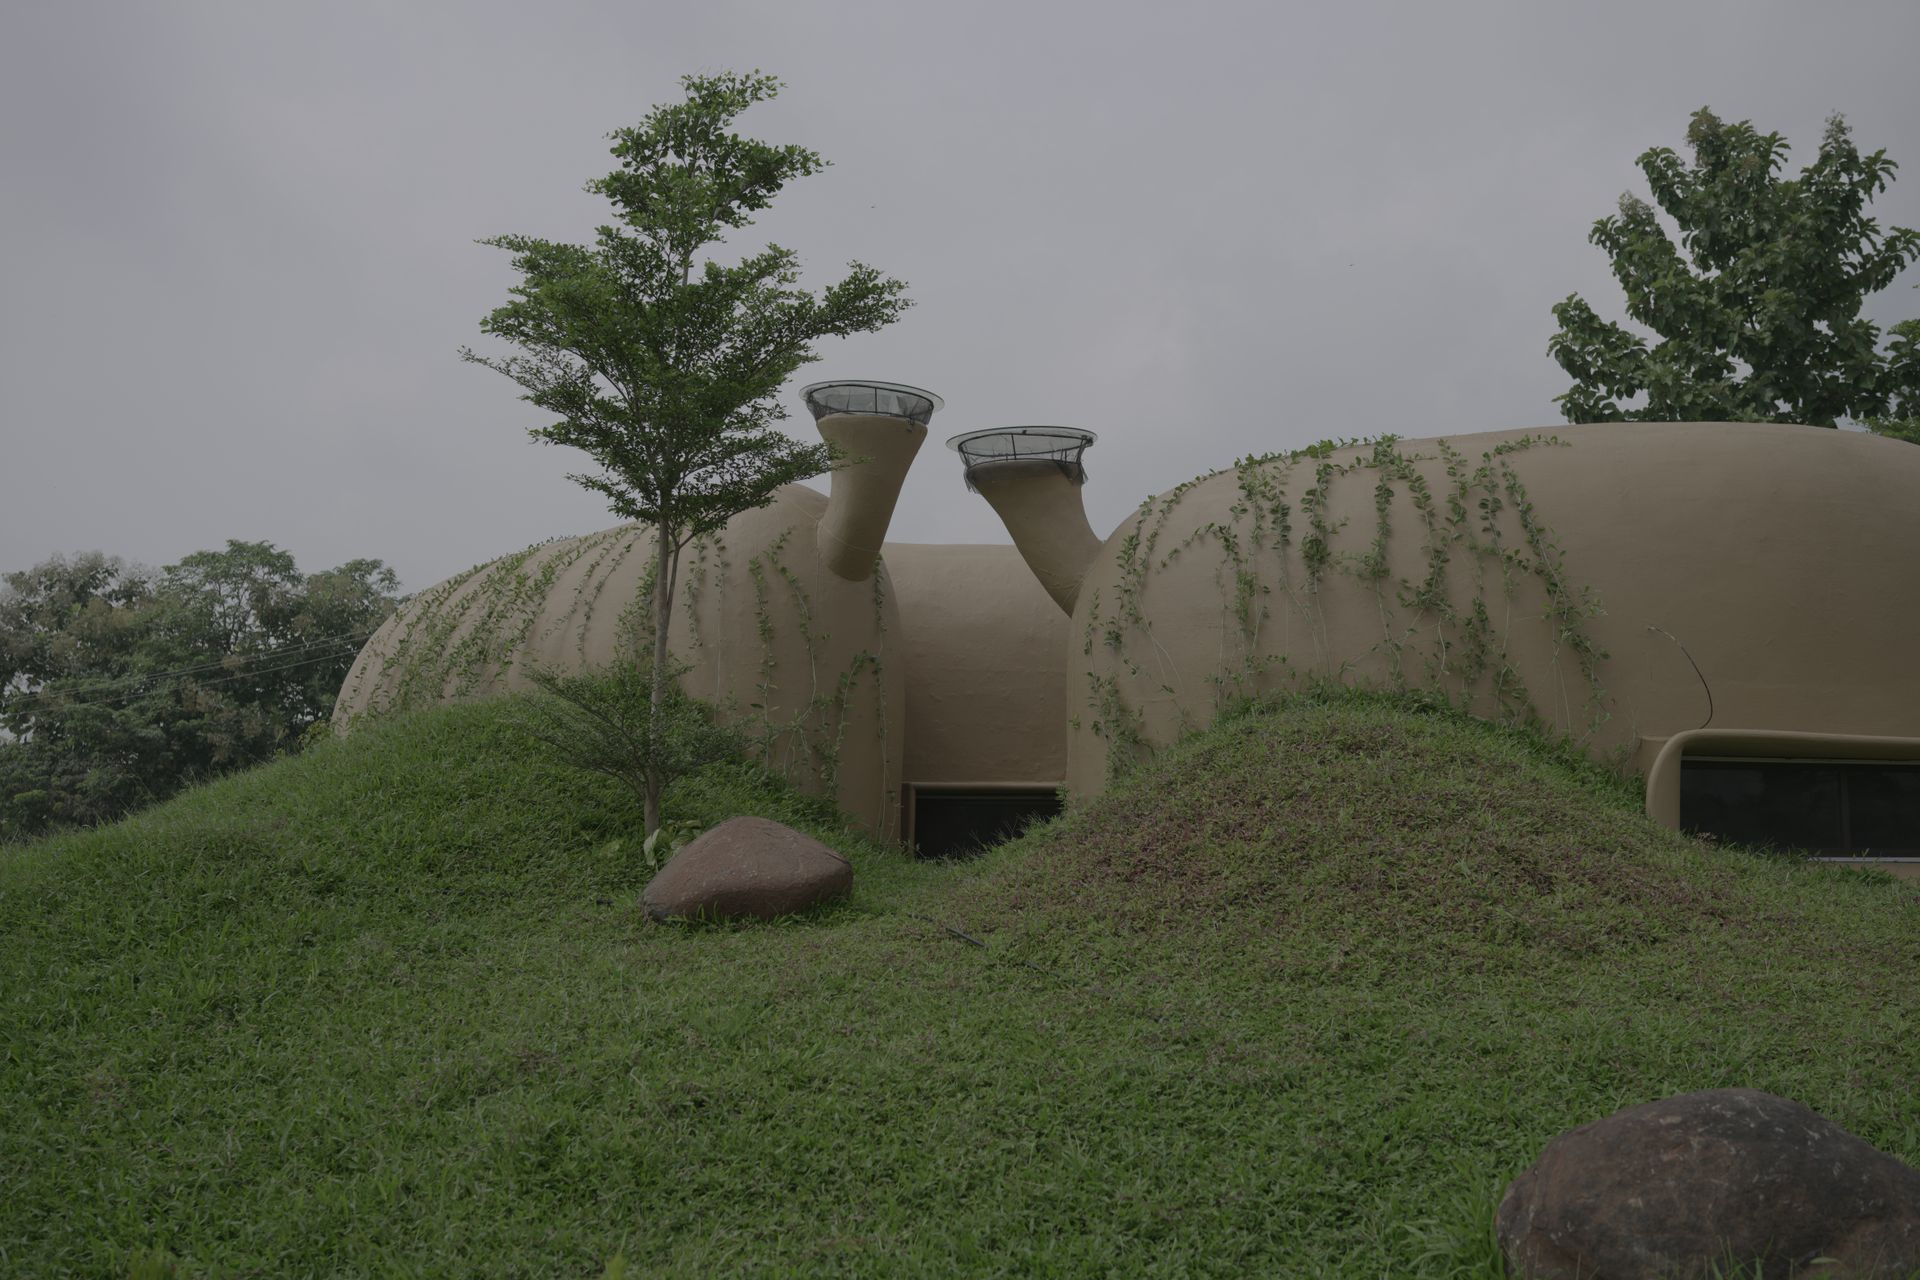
{"x":333,"y":646}
{"x":341,"y":652}
{"x":275,"y":652}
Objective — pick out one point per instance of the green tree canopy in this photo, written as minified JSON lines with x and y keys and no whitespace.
{"x":120,"y":685}
{"x":662,"y":362}
{"x":1756,"y":309}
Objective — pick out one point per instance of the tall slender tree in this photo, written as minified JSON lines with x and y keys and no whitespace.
{"x":663,"y":362}
{"x":1756,"y":311}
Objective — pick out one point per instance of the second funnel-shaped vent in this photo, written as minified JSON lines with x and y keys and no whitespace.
{"x":1062,"y":446}
{"x":1032,"y":477}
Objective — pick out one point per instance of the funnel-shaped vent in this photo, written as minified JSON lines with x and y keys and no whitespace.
{"x":1031,"y":476}
{"x":883,"y":399}
{"x":874,"y":429}
{"x":1062,"y":446}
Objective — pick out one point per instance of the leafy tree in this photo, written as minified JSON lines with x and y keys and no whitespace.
{"x":605,"y":722}
{"x":1902,"y":420}
{"x":120,"y":685}
{"x":251,"y":599}
{"x":662,"y":362}
{"x":1757,"y":309}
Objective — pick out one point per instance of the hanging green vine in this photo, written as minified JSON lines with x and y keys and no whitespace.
{"x":805,"y":742}
{"x":462,"y":637}
{"x":1462,"y":639}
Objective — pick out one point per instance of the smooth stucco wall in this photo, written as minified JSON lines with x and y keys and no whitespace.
{"x":800,"y":658}
{"x":1743,"y":576}
{"x":986,"y":653}
{"x":1724,"y":577}
{"x":1040,"y":504}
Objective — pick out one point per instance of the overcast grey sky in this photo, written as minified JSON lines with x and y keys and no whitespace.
{"x":238,"y":252}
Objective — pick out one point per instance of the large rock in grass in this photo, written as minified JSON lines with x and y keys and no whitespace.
{"x":747,"y":868}
{"x":1725,"y":1178}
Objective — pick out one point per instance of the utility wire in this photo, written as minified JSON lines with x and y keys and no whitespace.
{"x":296,"y":647}
{"x":331,"y":647}
{"x":243,"y":675}
{"x":97,"y":684}
{"x":340,"y":652}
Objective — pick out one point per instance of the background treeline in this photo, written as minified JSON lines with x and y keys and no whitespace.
{"x":121,"y":684}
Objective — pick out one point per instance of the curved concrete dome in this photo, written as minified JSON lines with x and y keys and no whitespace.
{"x":1621,"y":583}
{"x":986,"y":666}
{"x":801,"y":658}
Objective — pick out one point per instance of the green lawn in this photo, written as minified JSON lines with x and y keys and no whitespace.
{"x":1297,"y":999}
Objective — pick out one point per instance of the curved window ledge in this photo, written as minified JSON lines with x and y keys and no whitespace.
{"x":1664,"y":777}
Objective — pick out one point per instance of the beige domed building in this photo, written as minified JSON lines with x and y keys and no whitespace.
{"x":1727,"y":609}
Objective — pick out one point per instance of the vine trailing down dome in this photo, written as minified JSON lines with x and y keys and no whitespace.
{"x":1398,"y":566}
{"x":1647,"y":590}
{"x":787,"y":627}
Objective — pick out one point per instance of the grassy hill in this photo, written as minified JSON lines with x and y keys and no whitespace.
{"x":1298,"y":998}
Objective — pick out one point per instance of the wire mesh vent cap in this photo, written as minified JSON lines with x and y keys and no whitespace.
{"x":885,"y":399}
{"x":1062,"y":446}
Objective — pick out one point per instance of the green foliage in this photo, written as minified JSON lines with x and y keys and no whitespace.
{"x":605,"y":722}
{"x":453,"y":638}
{"x":666,"y":840}
{"x":1757,"y":308}
{"x":663,"y":363}
{"x":1907,"y":429}
{"x":119,"y":685}
{"x":1296,"y":999}
{"x":461,"y":638}
{"x":808,"y":738}
{"x":1483,"y":545}
{"x":1902,"y":419}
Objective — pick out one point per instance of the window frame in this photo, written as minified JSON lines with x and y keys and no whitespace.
{"x":1844,"y":767}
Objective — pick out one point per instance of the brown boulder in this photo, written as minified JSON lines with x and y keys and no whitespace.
{"x":747,"y":867}
{"x":1724,"y":1178}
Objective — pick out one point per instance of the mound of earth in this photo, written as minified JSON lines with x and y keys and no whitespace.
{"x":1361,"y":821}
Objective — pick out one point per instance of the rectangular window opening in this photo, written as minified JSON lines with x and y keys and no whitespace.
{"x":1827,"y":808}
{"x":959,"y":821}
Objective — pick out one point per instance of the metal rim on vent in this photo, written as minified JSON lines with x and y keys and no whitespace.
{"x":1062,"y":446}
{"x":864,"y":396}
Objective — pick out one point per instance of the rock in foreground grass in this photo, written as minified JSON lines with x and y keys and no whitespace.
{"x":1686,"y":1186}
{"x":747,"y":868}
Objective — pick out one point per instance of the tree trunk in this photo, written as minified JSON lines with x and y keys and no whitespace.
{"x":666,"y":566}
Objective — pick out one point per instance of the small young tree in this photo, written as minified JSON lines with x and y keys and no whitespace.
{"x":606,"y":723}
{"x":663,"y":363}
{"x":1759,"y":319}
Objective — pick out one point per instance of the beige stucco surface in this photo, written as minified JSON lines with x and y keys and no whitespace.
{"x":1621,"y":584}
{"x":1746,"y":577}
{"x":1041,"y":506}
{"x":986,"y":652}
{"x":1663,"y":775}
{"x":800,"y":658}
{"x":875,"y":453}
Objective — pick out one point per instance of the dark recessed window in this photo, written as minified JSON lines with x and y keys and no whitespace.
{"x":959,"y":824}
{"x":1883,"y":810}
{"x":1843,"y":808}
